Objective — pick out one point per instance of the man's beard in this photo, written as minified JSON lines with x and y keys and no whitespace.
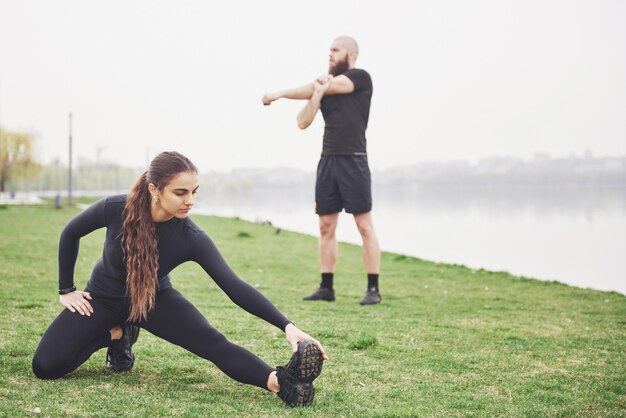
{"x":339,"y":68}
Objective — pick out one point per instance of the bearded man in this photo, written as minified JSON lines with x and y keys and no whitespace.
{"x":343,"y":175}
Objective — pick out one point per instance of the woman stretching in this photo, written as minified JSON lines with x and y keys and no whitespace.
{"x":148,"y":234}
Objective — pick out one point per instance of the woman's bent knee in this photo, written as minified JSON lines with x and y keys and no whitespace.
{"x":43,"y":369}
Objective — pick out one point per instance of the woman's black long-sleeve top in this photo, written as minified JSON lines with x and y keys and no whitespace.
{"x":179,"y":240}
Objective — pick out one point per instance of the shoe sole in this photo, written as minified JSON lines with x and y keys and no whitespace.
{"x":304,"y":395}
{"x":306,"y":363}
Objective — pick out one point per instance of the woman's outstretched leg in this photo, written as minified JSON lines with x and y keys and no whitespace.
{"x":176,"y":320}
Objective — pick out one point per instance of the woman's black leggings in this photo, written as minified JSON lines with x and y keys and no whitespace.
{"x":72,"y":338}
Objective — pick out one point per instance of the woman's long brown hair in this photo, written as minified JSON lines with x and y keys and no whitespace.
{"x":139,"y":236}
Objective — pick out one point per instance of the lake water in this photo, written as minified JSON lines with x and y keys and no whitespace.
{"x":573,"y":235}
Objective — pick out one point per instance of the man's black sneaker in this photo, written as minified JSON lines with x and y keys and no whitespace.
{"x":120,"y":356}
{"x":296,"y":378}
{"x":321,"y":293}
{"x":372,"y":297}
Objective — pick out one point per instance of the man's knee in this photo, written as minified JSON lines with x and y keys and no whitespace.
{"x":366,"y":231}
{"x":327,"y":231}
{"x":328,"y":225}
{"x":365,"y":226}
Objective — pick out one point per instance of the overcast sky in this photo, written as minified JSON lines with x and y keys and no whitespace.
{"x":452,"y":79}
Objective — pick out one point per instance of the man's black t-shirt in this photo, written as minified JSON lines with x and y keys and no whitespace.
{"x":346,"y":116}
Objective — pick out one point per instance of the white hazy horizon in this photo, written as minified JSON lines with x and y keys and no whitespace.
{"x":453,"y":80}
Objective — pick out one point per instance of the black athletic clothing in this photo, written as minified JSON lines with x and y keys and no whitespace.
{"x":343,"y":175}
{"x":343,"y":182}
{"x":346,"y":116}
{"x":180,"y":240}
{"x":72,"y":338}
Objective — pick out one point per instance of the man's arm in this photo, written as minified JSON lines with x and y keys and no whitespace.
{"x":340,"y":85}
{"x":324,"y":85}
{"x":298,"y":93}
{"x":308,"y":112}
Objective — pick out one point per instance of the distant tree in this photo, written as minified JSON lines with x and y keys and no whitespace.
{"x":18,"y":147}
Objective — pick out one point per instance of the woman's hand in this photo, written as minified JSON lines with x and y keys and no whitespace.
{"x":77,"y":301}
{"x":293,"y":336}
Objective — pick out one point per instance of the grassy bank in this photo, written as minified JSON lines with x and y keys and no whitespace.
{"x":446,"y":341}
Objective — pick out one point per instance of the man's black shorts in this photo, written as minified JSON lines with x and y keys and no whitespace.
{"x":343,"y":182}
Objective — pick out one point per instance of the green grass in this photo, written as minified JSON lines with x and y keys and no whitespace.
{"x":446,"y":341}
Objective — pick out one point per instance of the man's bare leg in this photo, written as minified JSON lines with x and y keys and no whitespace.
{"x":371,"y":256}
{"x":328,"y":242}
{"x":328,"y":250}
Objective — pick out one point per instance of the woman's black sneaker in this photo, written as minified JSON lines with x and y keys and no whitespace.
{"x":306,"y":363}
{"x":120,"y":356}
{"x":292,"y":391}
{"x":296,"y":378}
